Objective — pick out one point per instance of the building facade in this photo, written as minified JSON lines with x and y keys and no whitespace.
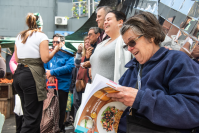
{"x":13,"y":15}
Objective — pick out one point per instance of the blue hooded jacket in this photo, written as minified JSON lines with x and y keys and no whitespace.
{"x":169,"y":94}
{"x":61,"y":66}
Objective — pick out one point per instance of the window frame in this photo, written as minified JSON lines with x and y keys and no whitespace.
{"x":79,"y":8}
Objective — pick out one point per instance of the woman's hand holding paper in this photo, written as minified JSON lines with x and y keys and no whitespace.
{"x":126,"y":95}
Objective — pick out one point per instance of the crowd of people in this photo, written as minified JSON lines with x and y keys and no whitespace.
{"x":158,"y":84}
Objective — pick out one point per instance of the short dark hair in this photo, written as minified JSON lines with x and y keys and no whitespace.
{"x":119,"y":15}
{"x":146,"y":24}
{"x":96,"y":29}
{"x":105,"y":8}
{"x":62,"y":38}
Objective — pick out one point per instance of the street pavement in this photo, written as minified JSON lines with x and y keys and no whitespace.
{"x":9,"y":126}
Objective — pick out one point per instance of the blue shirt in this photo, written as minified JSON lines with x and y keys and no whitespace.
{"x":61,"y":66}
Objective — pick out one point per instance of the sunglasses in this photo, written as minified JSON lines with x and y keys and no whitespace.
{"x":131,"y":43}
{"x":57,"y":42}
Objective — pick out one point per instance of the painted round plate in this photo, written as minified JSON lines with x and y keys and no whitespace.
{"x":87,"y":122}
{"x":117,"y":105}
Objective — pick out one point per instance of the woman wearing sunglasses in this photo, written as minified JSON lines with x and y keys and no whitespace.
{"x":109,"y":56}
{"x":160,"y":85}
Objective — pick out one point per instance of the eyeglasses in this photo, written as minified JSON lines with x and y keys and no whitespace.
{"x":57,"y":42}
{"x":131,"y":43}
{"x":89,"y":35}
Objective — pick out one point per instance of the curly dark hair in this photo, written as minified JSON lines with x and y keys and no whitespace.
{"x":62,"y":38}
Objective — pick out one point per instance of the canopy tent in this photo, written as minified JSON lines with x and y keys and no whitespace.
{"x":9,"y":42}
{"x":123,"y":5}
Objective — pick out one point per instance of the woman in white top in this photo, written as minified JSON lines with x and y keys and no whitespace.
{"x":31,"y":50}
{"x":109,"y":57}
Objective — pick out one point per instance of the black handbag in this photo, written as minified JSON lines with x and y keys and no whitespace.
{"x":138,"y":125}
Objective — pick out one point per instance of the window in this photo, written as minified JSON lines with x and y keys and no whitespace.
{"x":95,"y":4}
{"x":79,"y":8}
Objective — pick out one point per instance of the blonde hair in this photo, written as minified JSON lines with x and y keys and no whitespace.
{"x":84,"y":50}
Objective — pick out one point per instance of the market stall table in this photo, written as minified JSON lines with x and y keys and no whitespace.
{"x":6,"y":99}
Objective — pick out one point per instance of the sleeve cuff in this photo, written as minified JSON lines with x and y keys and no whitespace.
{"x":78,"y":55}
{"x":138,"y":98}
{"x":52,"y":72}
{"x":77,"y":61}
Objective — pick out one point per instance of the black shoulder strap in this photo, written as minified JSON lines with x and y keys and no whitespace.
{"x":136,"y":86}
